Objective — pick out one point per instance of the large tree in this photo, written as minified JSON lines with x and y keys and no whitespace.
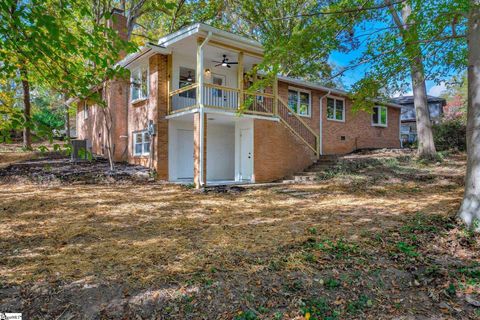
{"x":59,"y":45}
{"x":470,"y":210}
{"x":407,"y":42}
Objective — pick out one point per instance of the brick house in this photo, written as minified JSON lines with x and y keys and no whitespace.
{"x":179,"y":114}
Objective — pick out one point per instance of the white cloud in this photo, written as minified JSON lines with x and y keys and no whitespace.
{"x":397,"y":94}
{"x":437,"y":90}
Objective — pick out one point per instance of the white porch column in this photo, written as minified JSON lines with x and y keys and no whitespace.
{"x":201,"y":176}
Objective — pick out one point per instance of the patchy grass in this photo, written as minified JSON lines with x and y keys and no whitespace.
{"x":375,"y":242}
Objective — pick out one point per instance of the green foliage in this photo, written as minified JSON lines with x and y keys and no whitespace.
{"x":319,"y":309}
{"x":359,"y":305}
{"x":450,"y":135}
{"x":296,"y":42}
{"x":407,"y":249}
{"x":247,"y":315}
{"x":332,"y":283}
{"x":338,"y":249}
{"x":58,"y":45}
{"x":451,"y":290}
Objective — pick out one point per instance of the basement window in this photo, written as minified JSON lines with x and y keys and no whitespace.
{"x":141,"y":143}
{"x":139,"y":83}
{"x":379,"y":116}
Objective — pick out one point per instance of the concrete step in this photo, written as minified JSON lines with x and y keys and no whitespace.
{"x":303,"y":178}
{"x":310,"y":174}
{"x":306,"y":173}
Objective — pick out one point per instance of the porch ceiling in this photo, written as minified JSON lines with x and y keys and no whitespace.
{"x":212,"y":52}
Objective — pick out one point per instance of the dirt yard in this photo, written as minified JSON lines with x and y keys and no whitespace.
{"x":373,"y":238}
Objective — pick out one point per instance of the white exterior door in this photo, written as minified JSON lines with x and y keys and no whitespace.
{"x":246,"y":154}
{"x":184,"y":154}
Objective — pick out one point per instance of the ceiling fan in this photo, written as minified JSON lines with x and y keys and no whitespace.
{"x":224,"y":62}
{"x":188,"y":78}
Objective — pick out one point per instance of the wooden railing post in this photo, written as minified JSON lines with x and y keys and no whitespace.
{"x":240,"y":79}
{"x":275,"y":95}
{"x":169,"y":83}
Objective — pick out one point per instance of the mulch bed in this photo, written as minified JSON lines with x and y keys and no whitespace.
{"x":61,"y":170}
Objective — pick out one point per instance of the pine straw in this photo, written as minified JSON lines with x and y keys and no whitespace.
{"x":151,"y":233}
{"x":148,"y":235}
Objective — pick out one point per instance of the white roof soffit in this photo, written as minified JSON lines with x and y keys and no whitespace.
{"x":218,"y":35}
{"x":144,"y":52}
{"x":333,"y":91}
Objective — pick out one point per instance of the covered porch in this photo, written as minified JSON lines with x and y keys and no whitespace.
{"x":210,"y":74}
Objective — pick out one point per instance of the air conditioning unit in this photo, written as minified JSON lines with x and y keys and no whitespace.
{"x":80,"y":150}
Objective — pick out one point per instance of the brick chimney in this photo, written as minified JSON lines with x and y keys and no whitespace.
{"x":118,"y":22}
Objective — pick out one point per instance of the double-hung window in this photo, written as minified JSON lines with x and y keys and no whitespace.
{"x":299,"y":101}
{"x":379,"y":116}
{"x":335,"y":109}
{"x":139,"y":83}
{"x":141,"y":143}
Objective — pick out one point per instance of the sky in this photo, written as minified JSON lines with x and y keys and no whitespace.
{"x":341,"y":59}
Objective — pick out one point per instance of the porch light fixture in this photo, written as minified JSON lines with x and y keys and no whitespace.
{"x":189,"y":78}
{"x":207,"y":71}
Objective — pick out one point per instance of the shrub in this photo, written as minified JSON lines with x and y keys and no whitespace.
{"x":450,"y":134}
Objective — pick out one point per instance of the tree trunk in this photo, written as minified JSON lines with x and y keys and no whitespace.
{"x":107,"y":114}
{"x":27,"y":137}
{"x":67,"y":123}
{"x":426,"y":145}
{"x":470,"y":210}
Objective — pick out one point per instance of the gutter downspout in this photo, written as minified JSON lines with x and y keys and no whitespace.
{"x":201,"y":181}
{"x":320,"y":136}
{"x":400,"y":128}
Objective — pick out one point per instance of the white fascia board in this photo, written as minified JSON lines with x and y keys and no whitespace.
{"x":144,"y":52}
{"x":232,"y":38}
{"x":178,"y":35}
{"x":333,"y":91}
{"x":219,"y":35}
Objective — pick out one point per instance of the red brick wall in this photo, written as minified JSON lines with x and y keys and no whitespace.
{"x":278,"y":152}
{"x":357,"y":128}
{"x":154,"y":108}
{"x":358,"y":131}
{"x":94,"y":127}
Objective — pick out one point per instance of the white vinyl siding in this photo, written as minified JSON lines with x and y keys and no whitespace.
{"x":336,"y":109}
{"x":141,"y":143}
{"x":379,"y":116}
{"x":139,"y":83}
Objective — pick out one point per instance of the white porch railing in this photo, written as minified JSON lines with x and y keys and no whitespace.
{"x":220,"y":97}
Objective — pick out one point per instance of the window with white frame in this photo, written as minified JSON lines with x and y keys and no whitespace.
{"x":299,"y":101}
{"x":139,"y":81}
{"x":141,"y":143}
{"x":335,"y":109}
{"x":379,"y":116}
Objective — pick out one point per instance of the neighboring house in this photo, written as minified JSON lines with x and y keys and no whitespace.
{"x":180,"y":114}
{"x":408,"y":118}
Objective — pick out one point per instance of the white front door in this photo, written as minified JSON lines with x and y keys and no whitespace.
{"x":184,"y":154}
{"x":246,"y":154}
